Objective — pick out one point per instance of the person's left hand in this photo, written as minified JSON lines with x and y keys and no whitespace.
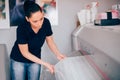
{"x":61,"y":56}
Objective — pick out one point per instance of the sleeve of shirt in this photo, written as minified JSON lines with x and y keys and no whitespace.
{"x":49,"y":29}
{"x":21,"y":36}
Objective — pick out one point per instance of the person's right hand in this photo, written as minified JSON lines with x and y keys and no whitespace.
{"x":50,"y":67}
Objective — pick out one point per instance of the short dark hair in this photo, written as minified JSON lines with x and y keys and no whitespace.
{"x":31,"y":7}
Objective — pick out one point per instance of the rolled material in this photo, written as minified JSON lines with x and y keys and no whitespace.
{"x":75,"y":68}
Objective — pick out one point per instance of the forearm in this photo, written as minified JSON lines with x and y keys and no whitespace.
{"x":53,"y":47}
{"x":33,"y":58}
{"x":47,"y":1}
{"x":25,"y":52}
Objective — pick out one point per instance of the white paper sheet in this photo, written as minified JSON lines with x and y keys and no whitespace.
{"x":75,"y":68}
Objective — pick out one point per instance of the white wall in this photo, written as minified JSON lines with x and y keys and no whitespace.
{"x":67,"y":10}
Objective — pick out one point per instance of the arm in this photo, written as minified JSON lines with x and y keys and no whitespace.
{"x":24,"y":51}
{"x":53,"y":47}
{"x":46,"y":1}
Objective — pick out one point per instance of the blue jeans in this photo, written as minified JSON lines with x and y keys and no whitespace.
{"x":20,"y":70}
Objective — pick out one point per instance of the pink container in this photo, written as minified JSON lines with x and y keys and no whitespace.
{"x":115,"y":14}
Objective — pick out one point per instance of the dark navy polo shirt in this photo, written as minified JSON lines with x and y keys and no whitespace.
{"x":25,"y":35}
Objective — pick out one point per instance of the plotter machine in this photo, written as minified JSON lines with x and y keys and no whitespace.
{"x":99,"y":59}
{"x":99,"y":47}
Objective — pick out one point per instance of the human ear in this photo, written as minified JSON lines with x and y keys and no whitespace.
{"x":27,"y":19}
